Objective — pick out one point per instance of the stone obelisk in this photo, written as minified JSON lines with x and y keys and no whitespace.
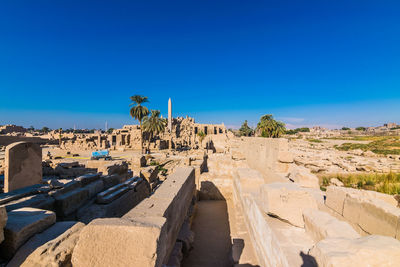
{"x":169,"y":115}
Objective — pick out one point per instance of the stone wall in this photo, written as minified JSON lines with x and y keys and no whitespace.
{"x":270,"y":156}
{"x":146,"y":235}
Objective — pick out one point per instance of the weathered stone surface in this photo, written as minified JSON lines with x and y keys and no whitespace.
{"x":287,"y":201}
{"x":336,"y":182}
{"x":56,"y":252}
{"x":71,"y":201}
{"x":378,"y":217}
{"x":121,"y":242}
{"x":149,"y":173}
{"x":3,"y":222}
{"x":373,"y":250}
{"x":285,"y":157}
{"x":68,"y":187}
{"x":320,"y":225}
{"x":38,"y":240}
{"x":39,"y":201}
{"x":23,"y":161}
{"x":88,"y":178}
{"x":335,"y":197}
{"x":111,"y":180}
{"x":21,"y":225}
{"x":304,"y":177}
{"x":146,"y":235}
{"x":119,"y":167}
{"x":94,"y":188}
{"x":116,"y":208}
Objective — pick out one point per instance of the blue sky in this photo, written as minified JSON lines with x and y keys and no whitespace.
{"x":329,"y":63}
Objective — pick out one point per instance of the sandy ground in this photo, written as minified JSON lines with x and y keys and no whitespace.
{"x":214,"y":240}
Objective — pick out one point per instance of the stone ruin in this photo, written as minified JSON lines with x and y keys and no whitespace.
{"x":277,"y":215}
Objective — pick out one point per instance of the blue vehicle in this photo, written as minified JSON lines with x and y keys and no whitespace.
{"x":101,"y":154}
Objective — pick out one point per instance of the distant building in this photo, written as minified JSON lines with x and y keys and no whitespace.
{"x":10,"y":128}
{"x":390,"y":125}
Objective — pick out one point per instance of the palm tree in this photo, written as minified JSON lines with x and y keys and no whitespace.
{"x":268,"y":127}
{"x":154,"y":124}
{"x":201,"y":135}
{"x":138,"y":112}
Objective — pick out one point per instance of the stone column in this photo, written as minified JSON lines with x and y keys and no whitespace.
{"x":170,"y":115}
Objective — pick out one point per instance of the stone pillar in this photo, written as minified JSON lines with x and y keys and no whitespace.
{"x":170,"y":115}
{"x":23,"y":162}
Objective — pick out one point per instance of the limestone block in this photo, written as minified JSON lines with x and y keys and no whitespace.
{"x":250,"y":179}
{"x":67,"y":188}
{"x":304,"y":177}
{"x":149,"y":173}
{"x":38,"y":240}
{"x":287,"y":201}
{"x":23,"y":165}
{"x":352,"y":206}
{"x":56,"y":252}
{"x":71,"y":201}
{"x":119,"y":167}
{"x":21,"y":225}
{"x":320,"y":225}
{"x":379,"y":217}
{"x":117,"y":207}
{"x":285,"y":157}
{"x":39,"y":201}
{"x":111,"y":180}
{"x":3,"y":222}
{"x":88,"y":178}
{"x":94,"y":188}
{"x":336,"y":182}
{"x":335,"y":197}
{"x":373,"y":250}
{"x":121,"y":242}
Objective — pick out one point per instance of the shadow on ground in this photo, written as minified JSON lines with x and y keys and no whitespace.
{"x":212,"y":244}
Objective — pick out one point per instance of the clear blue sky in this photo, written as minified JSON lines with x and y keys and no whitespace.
{"x":329,"y":63}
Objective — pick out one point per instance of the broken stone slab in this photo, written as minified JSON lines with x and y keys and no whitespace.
{"x":320,"y":225}
{"x":39,"y":201}
{"x":116,"y":208}
{"x":21,"y":225}
{"x":23,"y":165}
{"x":149,"y":173}
{"x":58,"y":251}
{"x":373,"y":250}
{"x":303,"y":177}
{"x":121,"y":242}
{"x":286,"y":201}
{"x":71,"y":201}
{"x":3,"y":222}
{"x":38,"y":240}
{"x":115,"y":192}
{"x":19,"y":193}
{"x":374,"y":216}
{"x":119,"y":167}
{"x":68,"y":187}
{"x":88,"y":178}
{"x":335,"y":196}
